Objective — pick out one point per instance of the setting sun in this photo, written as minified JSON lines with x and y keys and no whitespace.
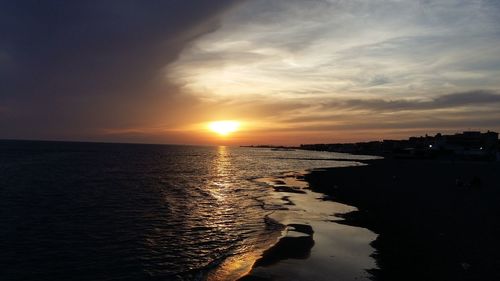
{"x":224,"y":127}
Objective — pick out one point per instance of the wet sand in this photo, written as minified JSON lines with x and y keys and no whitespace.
{"x":313,"y":246}
{"x":428,"y":220}
{"x":436,"y":220}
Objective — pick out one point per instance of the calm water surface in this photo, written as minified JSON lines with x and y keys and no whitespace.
{"x":88,"y":211}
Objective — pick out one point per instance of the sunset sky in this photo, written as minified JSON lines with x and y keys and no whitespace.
{"x":290,"y":71}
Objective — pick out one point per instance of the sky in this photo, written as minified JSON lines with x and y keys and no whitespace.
{"x":291,"y":71}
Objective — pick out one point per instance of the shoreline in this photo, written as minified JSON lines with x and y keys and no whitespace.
{"x":306,"y":248}
{"x":436,"y":220}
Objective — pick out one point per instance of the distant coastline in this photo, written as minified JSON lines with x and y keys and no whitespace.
{"x":468,"y":145}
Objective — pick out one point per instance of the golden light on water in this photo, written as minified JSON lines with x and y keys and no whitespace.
{"x":225,"y":127}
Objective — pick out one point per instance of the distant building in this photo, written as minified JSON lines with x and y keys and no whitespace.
{"x":469,"y":144}
{"x":465,"y":145}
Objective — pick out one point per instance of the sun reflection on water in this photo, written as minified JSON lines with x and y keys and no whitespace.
{"x":227,"y":189}
{"x":222,"y":174}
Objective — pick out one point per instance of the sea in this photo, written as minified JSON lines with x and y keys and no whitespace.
{"x":107,"y":211}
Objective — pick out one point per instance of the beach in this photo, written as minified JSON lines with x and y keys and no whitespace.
{"x":313,"y":246}
{"x":318,"y":140}
{"x":432,"y":220}
{"x":435,"y":220}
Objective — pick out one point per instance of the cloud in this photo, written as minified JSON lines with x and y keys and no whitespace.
{"x":352,"y":65}
{"x":477,"y":109}
{"x":74,"y":70}
{"x":312,"y":49}
{"x":69,"y":68}
{"x":482,"y":98}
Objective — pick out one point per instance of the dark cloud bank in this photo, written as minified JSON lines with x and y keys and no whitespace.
{"x":74,"y":66}
{"x":478,"y":109}
{"x":468,"y":99}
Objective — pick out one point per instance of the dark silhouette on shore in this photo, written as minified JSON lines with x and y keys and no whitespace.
{"x":288,"y":247}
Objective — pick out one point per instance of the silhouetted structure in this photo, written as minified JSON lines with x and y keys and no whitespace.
{"x":469,"y":145}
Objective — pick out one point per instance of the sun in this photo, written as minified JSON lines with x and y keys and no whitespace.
{"x":224,"y":128}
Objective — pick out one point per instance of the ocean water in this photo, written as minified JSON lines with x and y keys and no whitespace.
{"x":95,"y":211}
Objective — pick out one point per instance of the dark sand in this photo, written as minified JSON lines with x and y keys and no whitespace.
{"x":436,"y":220}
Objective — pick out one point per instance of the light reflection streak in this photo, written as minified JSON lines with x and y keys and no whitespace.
{"x":222,"y":167}
{"x":241,"y":260}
